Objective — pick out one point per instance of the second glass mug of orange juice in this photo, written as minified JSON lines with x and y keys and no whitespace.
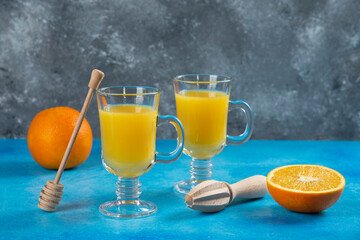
{"x":128,"y":122}
{"x":202,"y":104}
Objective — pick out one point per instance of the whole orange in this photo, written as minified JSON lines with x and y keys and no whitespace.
{"x":49,"y":134}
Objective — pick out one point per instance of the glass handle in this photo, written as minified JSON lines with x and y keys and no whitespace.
{"x":245,"y":136}
{"x":174,"y":155}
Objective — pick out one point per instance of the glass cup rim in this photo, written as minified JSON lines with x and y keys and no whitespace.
{"x":102,"y":92}
{"x":225,"y":79}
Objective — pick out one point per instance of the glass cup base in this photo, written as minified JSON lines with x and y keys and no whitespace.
{"x":128,"y":209}
{"x":185,"y":186}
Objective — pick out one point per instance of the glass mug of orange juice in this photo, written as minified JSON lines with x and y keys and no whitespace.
{"x":128,"y":122}
{"x":202,"y":104}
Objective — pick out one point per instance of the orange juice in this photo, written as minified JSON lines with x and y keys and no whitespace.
{"x":128,"y":133}
{"x":203,"y":114}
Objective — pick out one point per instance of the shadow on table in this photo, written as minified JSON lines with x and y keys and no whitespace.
{"x":171,"y":205}
{"x":161,"y":197}
{"x":274,"y":214}
{"x":90,"y":163}
{"x":29,"y":169}
{"x":74,"y":205}
{"x":251,"y":209}
{"x":23,"y":169}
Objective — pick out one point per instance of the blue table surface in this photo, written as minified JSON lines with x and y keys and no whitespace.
{"x":89,"y":185}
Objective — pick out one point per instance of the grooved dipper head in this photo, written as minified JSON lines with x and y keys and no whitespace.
{"x":50,"y":196}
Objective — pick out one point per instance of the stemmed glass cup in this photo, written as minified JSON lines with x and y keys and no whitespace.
{"x":128,"y":122}
{"x":202,"y":105}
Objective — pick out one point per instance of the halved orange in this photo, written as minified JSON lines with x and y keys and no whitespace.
{"x":305,"y":188}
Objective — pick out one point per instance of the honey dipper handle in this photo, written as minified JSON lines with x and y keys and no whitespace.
{"x":252,"y":187}
{"x":96,"y":77}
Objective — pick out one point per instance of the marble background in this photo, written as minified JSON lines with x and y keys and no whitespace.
{"x":297,"y":63}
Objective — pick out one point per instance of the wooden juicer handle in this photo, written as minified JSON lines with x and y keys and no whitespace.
{"x":249,"y":188}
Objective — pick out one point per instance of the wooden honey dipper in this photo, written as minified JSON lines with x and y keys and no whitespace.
{"x":214,"y":196}
{"x":51,"y":194}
